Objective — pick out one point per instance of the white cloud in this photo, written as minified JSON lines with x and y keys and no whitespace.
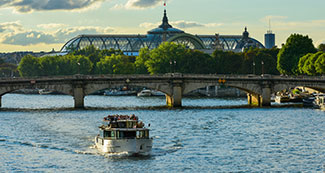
{"x":51,"y":25}
{"x":182,"y":24}
{"x":25,"y":37}
{"x":45,"y":5}
{"x":11,"y":27}
{"x":141,"y":4}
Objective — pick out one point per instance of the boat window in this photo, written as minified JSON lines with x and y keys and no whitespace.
{"x":107,"y":134}
{"x":146,"y":134}
{"x":121,"y":124}
{"x":143,"y":134}
{"x":112,"y":134}
{"x":121,"y":134}
{"x":130,"y":134}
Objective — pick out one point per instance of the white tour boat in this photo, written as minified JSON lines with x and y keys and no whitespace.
{"x":123,"y":134}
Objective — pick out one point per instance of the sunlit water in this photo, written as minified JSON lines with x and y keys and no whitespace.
{"x":185,"y":140}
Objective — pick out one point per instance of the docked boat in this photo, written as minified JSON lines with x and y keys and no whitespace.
{"x":319,"y":102}
{"x":123,"y":134}
{"x":144,"y":93}
{"x":282,"y":98}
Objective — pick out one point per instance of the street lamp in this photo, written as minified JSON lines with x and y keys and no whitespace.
{"x":262,"y":67}
{"x":254,"y":67}
{"x":78,"y":63}
{"x":174,"y":66}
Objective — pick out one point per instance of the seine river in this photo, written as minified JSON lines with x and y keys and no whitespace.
{"x":43,"y":134}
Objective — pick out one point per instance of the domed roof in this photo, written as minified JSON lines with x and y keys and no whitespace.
{"x":165,"y":27}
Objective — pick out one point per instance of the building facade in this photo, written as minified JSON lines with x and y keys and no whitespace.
{"x":131,"y":44}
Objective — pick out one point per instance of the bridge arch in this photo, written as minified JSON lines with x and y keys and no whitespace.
{"x":190,"y":41}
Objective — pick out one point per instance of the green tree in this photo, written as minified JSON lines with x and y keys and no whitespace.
{"x":116,"y":64}
{"x":49,"y":65}
{"x":144,"y":56}
{"x":321,"y":47}
{"x":166,"y":58}
{"x":29,"y":66}
{"x":309,"y":65}
{"x":320,"y":64}
{"x":227,"y":62}
{"x":196,"y":62}
{"x":296,"y":46}
{"x":302,"y":61}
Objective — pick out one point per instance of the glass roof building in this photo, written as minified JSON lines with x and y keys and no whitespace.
{"x":131,"y":44}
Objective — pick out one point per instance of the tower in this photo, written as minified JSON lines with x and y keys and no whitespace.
{"x":269,"y":38}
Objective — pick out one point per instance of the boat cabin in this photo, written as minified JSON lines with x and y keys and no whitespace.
{"x":123,"y":127}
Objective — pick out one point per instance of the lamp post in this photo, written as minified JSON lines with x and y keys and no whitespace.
{"x":254,"y":67}
{"x":78,"y":67}
{"x":172,"y":66}
{"x":262,"y":67}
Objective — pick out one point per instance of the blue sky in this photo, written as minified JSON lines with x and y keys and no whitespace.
{"x":40,"y":25}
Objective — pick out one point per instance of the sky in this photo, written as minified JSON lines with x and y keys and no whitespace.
{"x":43,"y":25}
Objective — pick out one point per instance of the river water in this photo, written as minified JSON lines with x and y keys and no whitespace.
{"x":43,"y":134}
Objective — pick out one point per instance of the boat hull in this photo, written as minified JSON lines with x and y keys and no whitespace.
{"x":129,"y":146}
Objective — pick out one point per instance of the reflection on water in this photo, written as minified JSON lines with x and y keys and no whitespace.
{"x":205,"y":140}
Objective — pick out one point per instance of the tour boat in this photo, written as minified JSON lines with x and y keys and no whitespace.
{"x":123,"y":134}
{"x":144,"y":93}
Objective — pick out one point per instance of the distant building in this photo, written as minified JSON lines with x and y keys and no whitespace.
{"x":269,"y":39}
{"x":131,"y":44}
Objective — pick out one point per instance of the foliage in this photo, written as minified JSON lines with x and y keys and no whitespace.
{"x":144,"y":56}
{"x":320,"y":64}
{"x":312,"y":64}
{"x":296,"y":46}
{"x":29,"y":66}
{"x":321,"y":47}
{"x":116,"y":64}
{"x":166,"y":58}
{"x":309,"y":65}
{"x":226,"y":62}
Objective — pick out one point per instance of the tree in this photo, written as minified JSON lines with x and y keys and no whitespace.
{"x":296,"y":46}
{"x":320,"y":64}
{"x":226,"y":62}
{"x":166,"y":58}
{"x":321,"y":47}
{"x":196,"y":62}
{"x":309,"y":65}
{"x":49,"y":65}
{"x":144,"y":56}
{"x":29,"y":66}
{"x":302,"y":61}
{"x":116,"y":64}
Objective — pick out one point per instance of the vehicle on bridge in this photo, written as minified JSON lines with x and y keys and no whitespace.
{"x":123,"y":134}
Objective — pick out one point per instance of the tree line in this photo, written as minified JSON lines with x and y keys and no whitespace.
{"x":295,"y":57}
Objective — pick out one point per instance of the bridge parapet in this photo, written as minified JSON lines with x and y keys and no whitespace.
{"x":174,"y":85}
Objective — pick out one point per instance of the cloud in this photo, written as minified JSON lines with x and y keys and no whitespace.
{"x":191,"y":24}
{"x":141,"y":4}
{"x":44,"y":5}
{"x":51,"y":25}
{"x":60,"y":36}
{"x":182,"y":24}
{"x":29,"y":38}
{"x":11,"y":27}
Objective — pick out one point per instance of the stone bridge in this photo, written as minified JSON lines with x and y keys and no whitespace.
{"x":174,"y":85}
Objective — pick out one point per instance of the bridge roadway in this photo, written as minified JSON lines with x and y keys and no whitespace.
{"x":174,"y":85}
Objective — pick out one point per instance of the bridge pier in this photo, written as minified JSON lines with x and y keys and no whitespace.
{"x":78,"y":96}
{"x":260,"y":100}
{"x":175,"y":100}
